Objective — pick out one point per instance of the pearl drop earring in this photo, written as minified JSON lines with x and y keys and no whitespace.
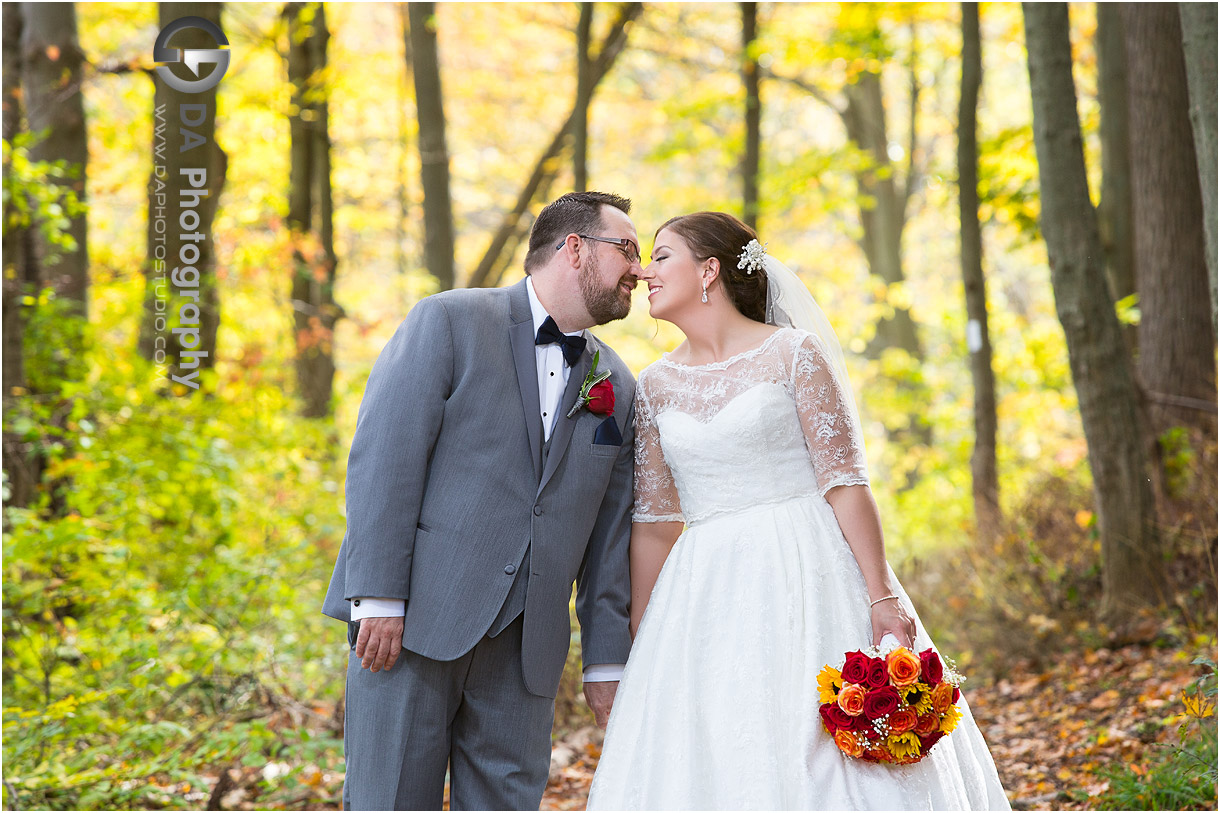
{"x":705,"y":292}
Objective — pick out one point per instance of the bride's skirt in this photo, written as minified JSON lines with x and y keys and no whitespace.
{"x":718,"y":707}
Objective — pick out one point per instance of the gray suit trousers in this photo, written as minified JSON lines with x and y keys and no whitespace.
{"x":473,"y":714}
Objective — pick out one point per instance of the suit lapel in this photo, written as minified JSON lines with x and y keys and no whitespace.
{"x":521,"y":336}
{"x":563,"y":424}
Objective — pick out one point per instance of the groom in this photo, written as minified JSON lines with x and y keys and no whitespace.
{"x":479,"y":488}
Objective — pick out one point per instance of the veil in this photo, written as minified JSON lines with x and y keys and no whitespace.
{"x":789,"y":304}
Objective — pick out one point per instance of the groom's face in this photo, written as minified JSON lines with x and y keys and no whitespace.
{"x":608,"y":276}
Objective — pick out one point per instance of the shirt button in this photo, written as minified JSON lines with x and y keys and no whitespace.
{"x":552,"y":375}
{"x":356,"y":603}
{"x":537,"y":510}
{"x":544,"y":414}
{"x":509,"y":569}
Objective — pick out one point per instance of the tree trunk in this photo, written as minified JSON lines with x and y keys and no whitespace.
{"x":1177,"y":340}
{"x":21,"y":462}
{"x":433,"y":153}
{"x":51,"y":75}
{"x":1132,"y":568}
{"x":181,"y":213}
{"x":14,"y":233}
{"x":753,"y":115}
{"x":584,"y":92}
{"x":545,"y":169}
{"x":1199,"y":49}
{"x":883,"y":218}
{"x":881,"y":207}
{"x":403,"y":231}
{"x":310,"y":209}
{"x":1114,"y":210}
{"x":978,"y":337}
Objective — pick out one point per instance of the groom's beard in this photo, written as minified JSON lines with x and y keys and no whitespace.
{"x":603,"y":304}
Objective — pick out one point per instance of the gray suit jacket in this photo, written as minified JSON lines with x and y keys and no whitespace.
{"x":446,"y":489}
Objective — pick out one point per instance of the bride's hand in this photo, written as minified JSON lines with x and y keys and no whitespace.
{"x":891,"y":616}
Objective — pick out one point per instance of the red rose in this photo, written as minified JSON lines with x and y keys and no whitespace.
{"x":855,"y":669}
{"x":930,"y":740}
{"x":827,"y":720}
{"x":931,"y":667}
{"x":835,"y":718}
{"x":601,"y":398}
{"x":863,"y":725}
{"x":956,"y":693}
{"x":880,"y":702}
{"x":878,"y":675}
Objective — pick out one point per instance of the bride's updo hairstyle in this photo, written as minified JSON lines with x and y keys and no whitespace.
{"x":720,"y":235}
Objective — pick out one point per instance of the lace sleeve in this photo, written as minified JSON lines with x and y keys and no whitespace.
{"x":656,"y":496}
{"x":832,"y":431}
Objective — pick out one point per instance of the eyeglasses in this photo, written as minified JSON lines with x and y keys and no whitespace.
{"x":630,"y":250}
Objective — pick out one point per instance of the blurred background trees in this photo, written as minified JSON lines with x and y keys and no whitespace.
{"x":1008,"y":214}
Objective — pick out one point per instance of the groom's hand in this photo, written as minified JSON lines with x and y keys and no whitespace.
{"x":379,"y":642}
{"x":600,"y":697}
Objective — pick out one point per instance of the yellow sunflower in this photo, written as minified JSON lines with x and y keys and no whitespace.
{"x":918,"y":696}
{"x":830,"y":681}
{"x":904,"y":745}
{"x":952,"y":716}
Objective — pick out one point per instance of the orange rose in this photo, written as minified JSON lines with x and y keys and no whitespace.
{"x":903,"y":665}
{"x":942,"y":698}
{"x":848,"y":743}
{"x":903,"y":720}
{"x":927,"y":724}
{"x":878,"y":755}
{"x":851,"y":699}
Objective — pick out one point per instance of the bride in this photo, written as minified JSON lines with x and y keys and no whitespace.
{"x":747,"y":433}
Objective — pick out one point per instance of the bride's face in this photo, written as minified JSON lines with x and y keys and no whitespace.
{"x":674,"y":279}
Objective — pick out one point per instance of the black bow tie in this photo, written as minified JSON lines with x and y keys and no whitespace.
{"x":572,"y":346}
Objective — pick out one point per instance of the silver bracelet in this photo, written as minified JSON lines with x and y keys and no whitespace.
{"x":883,"y":598}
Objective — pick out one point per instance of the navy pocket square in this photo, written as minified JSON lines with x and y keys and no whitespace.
{"x":607,"y":433}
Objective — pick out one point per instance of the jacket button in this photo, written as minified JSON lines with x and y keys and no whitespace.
{"x":537,"y":510}
{"x":510,"y":569}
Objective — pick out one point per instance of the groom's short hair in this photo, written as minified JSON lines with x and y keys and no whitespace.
{"x":574,"y":213}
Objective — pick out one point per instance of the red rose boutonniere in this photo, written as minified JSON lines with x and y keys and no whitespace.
{"x":596,"y":393}
{"x":601,"y":399}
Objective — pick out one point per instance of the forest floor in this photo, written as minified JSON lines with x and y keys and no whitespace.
{"x":1053,"y":732}
{"x":1057,"y":732}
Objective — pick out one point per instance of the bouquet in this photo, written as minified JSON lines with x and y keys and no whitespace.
{"x":889,"y":706}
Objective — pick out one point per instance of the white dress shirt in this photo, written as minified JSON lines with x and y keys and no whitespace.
{"x":552,"y":380}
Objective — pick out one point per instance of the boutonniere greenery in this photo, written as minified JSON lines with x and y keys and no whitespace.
{"x":596,"y":393}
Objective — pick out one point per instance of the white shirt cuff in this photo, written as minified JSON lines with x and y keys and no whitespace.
{"x":378,"y":608}
{"x":603,"y":672}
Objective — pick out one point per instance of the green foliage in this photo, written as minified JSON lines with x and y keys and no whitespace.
{"x":1030,"y":592}
{"x":153,"y":624}
{"x":1180,"y":777}
{"x":1008,"y":181}
{"x":40,"y":192}
{"x":1178,"y":457}
{"x":54,"y":334}
{"x":1128,"y":309}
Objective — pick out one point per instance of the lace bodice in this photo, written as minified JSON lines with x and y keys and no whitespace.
{"x":763,"y":426}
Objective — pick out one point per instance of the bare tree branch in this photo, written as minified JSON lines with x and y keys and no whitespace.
{"x":912,"y":174}
{"x":548,"y":164}
{"x":811,"y":89}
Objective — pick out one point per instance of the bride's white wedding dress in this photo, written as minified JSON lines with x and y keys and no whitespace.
{"x":718,"y":706}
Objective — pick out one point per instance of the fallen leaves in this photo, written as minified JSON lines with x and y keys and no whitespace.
{"x":1105,"y":707}
{"x":1051,"y":733}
